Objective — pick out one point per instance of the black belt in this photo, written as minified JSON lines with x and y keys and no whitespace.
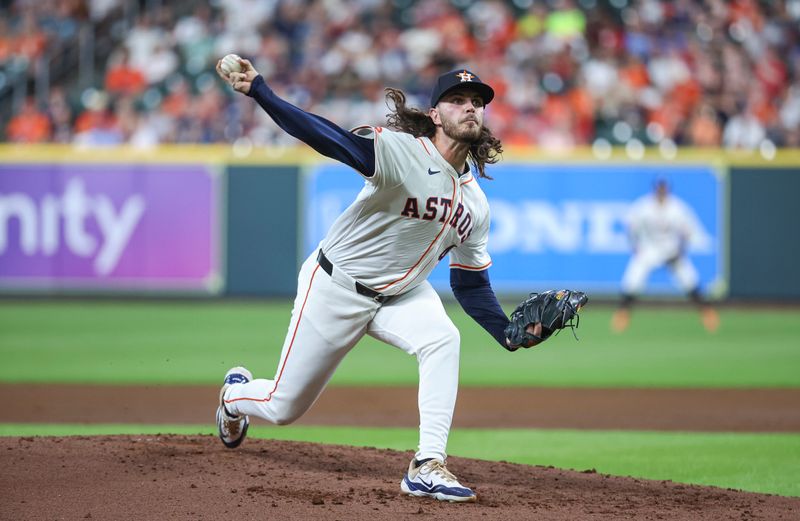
{"x":361,"y":289}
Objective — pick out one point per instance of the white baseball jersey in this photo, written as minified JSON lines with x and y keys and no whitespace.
{"x":409,"y":215}
{"x":660,"y":232}
{"x":663,"y":228}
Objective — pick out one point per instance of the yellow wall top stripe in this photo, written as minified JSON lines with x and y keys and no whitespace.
{"x":303,"y":155}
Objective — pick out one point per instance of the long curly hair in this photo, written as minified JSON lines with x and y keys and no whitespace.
{"x":487,"y":149}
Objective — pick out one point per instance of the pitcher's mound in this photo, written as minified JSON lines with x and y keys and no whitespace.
{"x":195,"y":477}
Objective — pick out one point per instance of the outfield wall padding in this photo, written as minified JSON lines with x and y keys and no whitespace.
{"x":262,"y":231}
{"x":765,"y":233}
{"x":210,"y":221}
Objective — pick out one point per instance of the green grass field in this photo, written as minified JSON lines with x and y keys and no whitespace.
{"x":195,"y":342}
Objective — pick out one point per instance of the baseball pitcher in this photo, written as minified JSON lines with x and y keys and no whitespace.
{"x":421,"y":201}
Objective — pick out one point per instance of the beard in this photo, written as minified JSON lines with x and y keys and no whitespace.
{"x":465,"y":134}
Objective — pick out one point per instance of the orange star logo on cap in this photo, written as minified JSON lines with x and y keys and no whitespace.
{"x":465,"y":76}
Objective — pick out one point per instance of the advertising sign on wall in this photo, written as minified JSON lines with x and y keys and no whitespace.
{"x":117,"y":227}
{"x":557,"y":225}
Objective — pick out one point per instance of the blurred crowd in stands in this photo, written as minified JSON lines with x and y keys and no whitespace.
{"x":702,"y":73}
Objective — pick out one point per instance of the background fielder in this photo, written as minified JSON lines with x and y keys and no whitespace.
{"x":420,"y":201}
{"x":660,"y":226}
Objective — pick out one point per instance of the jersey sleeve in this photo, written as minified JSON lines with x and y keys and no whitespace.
{"x":474,"y":292}
{"x":392,"y":150}
{"x":325,"y":137}
{"x":472,"y":254}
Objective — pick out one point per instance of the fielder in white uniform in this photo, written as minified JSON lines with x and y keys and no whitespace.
{"x":420,"y":202}
{"x":660,"y":226}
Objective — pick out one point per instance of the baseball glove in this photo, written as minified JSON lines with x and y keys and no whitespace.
{"x":554,"y":309}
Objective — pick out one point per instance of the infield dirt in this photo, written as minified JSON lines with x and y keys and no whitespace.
{"x":195,"y":477}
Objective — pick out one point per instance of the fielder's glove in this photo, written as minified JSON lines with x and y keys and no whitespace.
{"x":554,"y":309}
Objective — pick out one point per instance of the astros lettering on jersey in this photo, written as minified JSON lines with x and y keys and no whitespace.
{"x":420,"y":201}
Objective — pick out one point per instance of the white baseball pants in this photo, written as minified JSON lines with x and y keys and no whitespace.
{"x":642,"y":264}
{"x":328,"y":319}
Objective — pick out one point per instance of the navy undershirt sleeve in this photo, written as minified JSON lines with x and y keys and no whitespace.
{"x":474,"y":292}
{"x":325,"y":137}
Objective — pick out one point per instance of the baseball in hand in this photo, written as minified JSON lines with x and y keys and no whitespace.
{"x":230,"y":63}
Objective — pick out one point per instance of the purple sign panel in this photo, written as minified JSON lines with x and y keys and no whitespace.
{"x":86,"y":226}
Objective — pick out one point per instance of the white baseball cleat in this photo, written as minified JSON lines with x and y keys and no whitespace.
{"x":432,"y":479}
{"x":232,"y":429}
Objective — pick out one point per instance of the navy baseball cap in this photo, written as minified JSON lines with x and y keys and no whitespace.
{"x":460,"y":78}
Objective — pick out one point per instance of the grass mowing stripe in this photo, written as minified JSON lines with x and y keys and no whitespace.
{"x":196,"y":342}
{"x":716,"y":459}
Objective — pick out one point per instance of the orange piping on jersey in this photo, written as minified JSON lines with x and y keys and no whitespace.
{"x":419,"y":272}
{"x":288,"y":352}
{"x":375,"y":152}
{"x":473,"y":268}
{"x":422,"y":268}
{"x":412,"y":279}
{"x":444,"y":227}
{"x":470,"y":268}
{"x":423,"y":145}
{"x":374,"y":146}
{"x":377,"y":130}
{"x":471,"y":179}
